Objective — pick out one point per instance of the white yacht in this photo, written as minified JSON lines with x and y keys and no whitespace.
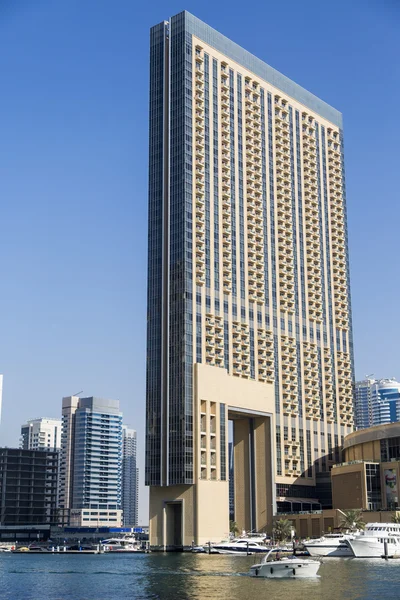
{"x":285,"y":568}
{"x":127,"y":543}
{"x":242,"y":546}
{"x":370,"y":543}
{"x":331,"y":544}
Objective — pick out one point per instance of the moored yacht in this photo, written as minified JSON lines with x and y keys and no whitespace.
{"x":371,"y":542}
{"x":331,"y":544}
{"x":242,"y":546}
{"x":126,"y":543}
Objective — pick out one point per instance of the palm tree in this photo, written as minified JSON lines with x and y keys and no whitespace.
{"x":233,"y":527}
{"x":283,"y":529}
{"x":352,"y":519}
{"x":396,"y":518}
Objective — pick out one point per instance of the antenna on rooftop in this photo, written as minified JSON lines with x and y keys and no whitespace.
{"x":77,"y":393}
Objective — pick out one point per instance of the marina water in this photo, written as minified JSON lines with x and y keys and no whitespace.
{"x":186,"y":577}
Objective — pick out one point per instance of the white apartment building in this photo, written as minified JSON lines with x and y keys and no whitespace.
{"x":43,"y":433}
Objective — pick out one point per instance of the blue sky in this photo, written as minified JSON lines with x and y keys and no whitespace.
{"x":73,"y":181}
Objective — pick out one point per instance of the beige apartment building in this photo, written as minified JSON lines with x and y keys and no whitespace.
{"x":249,"y":315}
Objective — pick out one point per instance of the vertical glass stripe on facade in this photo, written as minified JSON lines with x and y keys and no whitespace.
{"x":180,"y":442}
{"x":309,"y":454}
{"x":222,"y":441}
{"x":158,"y":37}
{"x":226,"y":344}
{"x":278,"y":451}
{"x":301,"y":440}
{"x":199,"y":336}
{"x":252,"y":358}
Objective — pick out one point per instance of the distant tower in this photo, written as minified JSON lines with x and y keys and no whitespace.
{"x":130,"y":478}
{"x":363,"y":403}
{"x":91,"y":462}
{"x":377,"y":402}
{"x":41,"y":434}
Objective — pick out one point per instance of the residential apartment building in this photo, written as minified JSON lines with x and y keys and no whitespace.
{"x":41,"y":434}
{"x":249,"y":312}
{"x":130,"y":478}
{"x":91,"y":462}
{"x":362,"y":403}
{"x":28,"y":487}
{"x":377,"y":402}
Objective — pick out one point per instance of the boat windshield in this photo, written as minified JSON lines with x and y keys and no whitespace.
{"x":275,"y":554}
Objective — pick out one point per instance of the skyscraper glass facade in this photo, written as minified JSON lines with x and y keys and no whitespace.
{"x":248,"y":258}
{"x":130,"y":478}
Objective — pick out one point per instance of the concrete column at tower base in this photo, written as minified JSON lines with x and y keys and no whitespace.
{"x":253,"y":473}
{"x":181,"y":515}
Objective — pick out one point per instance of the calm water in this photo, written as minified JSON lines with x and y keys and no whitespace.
{"x":186,"y":576}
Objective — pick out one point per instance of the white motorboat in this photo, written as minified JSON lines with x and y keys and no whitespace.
{"x":331,"y":544}
{"x":242,"y":546}
{"x":285,"y":568}
{"x":127,"y":543}
{"x":371,"y":542}
{"x":198,"y":549}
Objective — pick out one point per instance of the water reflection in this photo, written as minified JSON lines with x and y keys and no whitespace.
{"x":186,"y":577}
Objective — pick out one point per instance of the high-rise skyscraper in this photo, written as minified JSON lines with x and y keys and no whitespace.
{"x":377,"y":402}
{"x":41,"y":434}
{"x":91,"y":462}
{"x":130,"y":478}
{"x":249,"y":314}
{"x":362,"y":403}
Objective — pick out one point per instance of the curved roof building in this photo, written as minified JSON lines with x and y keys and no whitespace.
{"x":377,"y":402}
